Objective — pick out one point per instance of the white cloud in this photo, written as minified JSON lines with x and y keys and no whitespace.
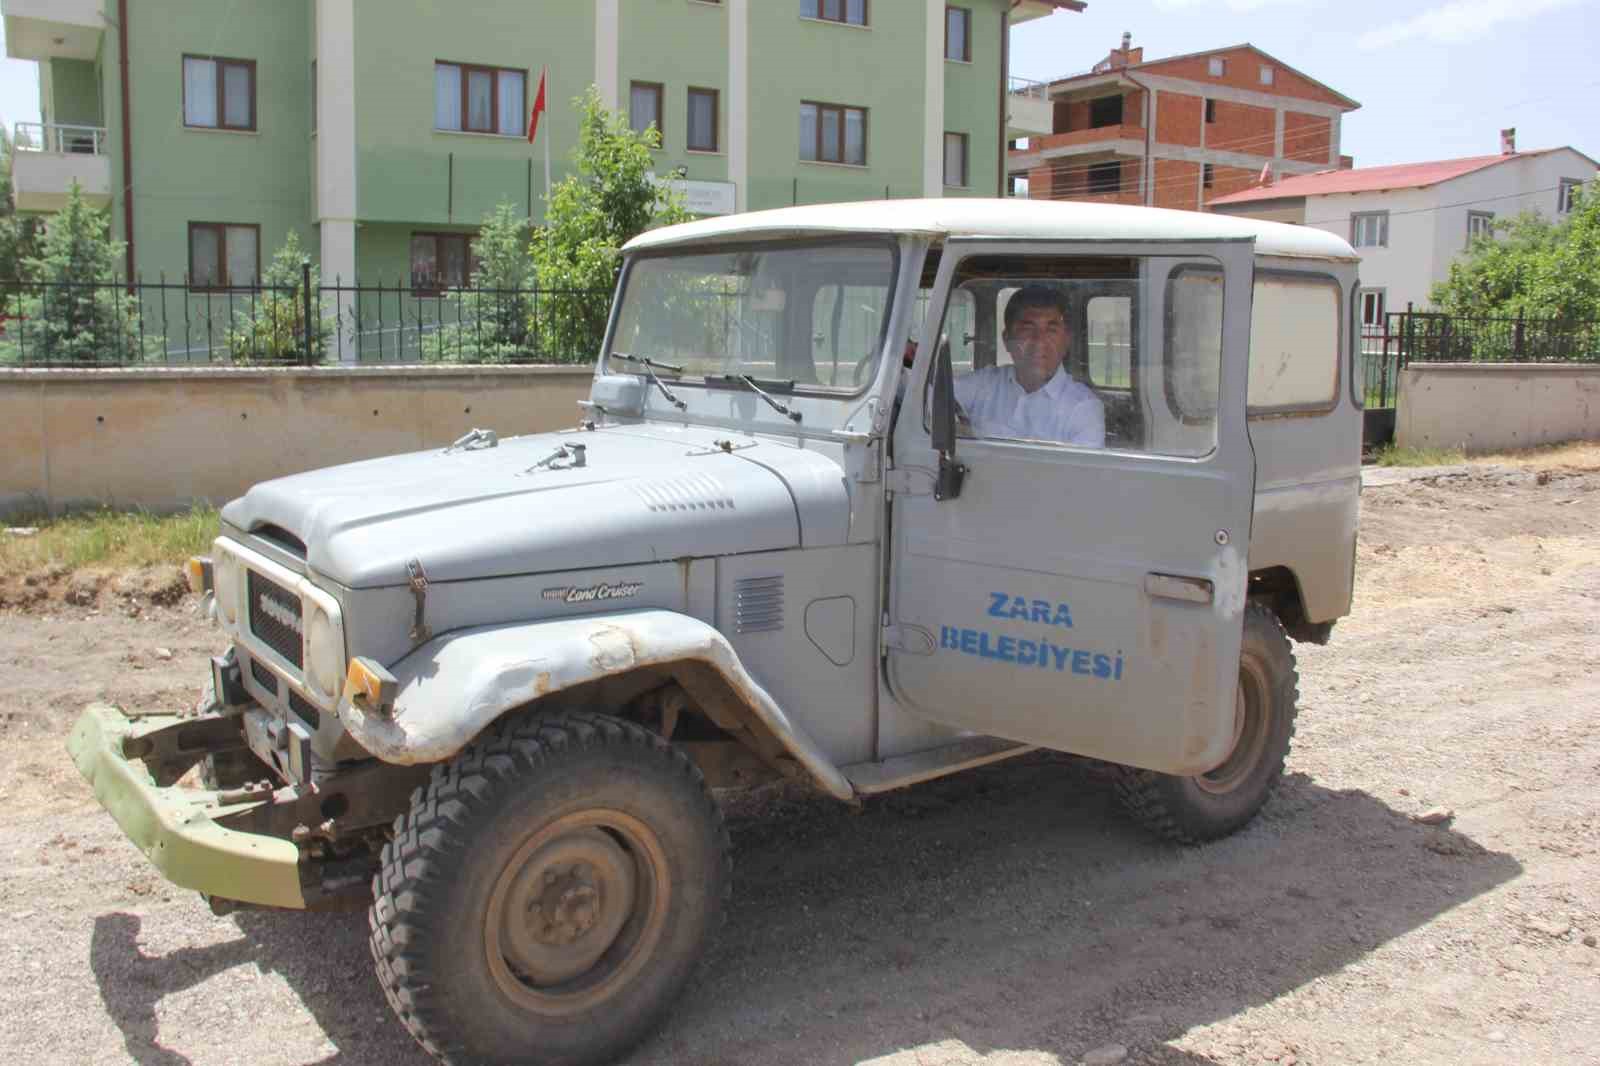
{"x":1457,"y":22}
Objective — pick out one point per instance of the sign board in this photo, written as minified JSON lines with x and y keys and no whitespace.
{"x":704,"y":197}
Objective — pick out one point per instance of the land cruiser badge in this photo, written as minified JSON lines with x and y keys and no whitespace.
{"x":622,"y":590}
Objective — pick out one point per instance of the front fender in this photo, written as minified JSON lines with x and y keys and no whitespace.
{"x":453,"y":687}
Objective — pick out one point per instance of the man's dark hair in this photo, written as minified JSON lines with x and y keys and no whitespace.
{"x":1047,"y":296}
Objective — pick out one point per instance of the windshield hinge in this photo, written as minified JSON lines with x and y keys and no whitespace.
{"x":913,"y":640}
{"x":910,"y":481}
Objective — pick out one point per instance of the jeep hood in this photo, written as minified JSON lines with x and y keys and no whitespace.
{"x":645,"y":493}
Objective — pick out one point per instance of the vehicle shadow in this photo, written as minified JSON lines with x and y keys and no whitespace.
{"x":1008,"y":909}
{"x":1015,"y":909}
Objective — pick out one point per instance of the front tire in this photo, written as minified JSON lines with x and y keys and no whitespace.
{"x":549,"y":892}
{"x":1208,"y":806}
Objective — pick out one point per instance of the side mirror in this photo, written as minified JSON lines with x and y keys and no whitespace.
{"x":951,"y":473}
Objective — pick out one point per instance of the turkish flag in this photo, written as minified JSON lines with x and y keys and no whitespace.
{"x":538,"y":107}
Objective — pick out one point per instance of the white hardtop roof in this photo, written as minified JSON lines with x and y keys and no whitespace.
{"x":1014,"y":219}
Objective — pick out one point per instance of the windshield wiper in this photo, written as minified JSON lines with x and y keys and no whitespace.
{"x":776,"y":404}
{"x":650,"y":366}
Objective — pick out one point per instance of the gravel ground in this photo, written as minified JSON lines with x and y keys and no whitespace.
{"x":1006,"y":916}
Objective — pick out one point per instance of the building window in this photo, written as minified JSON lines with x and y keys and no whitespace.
{"x":1266,"y":75}
{"x":1479,"y":224}
{"x":1217,"y":66}
{"x":1105,"y":111}
{"x":702,"y":124}
{"x":219,"y":94}
{"x":958,"y":34}
{"x":1372,"y":301}
{"x":1206,"y":175}
{"x":224,"y":255}
{"x":644,"y":106}
{"x":830,"y":133}
{"x":1211,"y":110}
{"x":955,"y":160}
{"x":1105,"y":177}
{"x":473,"y":99}
{"x":442,"y":261}
{"x":1370,"y":229}
{"x":853,"y":12}
{"x":1567,"y":195}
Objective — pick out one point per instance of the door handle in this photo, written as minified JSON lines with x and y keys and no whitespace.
{"x":1174,"y":587}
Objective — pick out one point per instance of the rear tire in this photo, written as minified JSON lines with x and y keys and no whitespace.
{"x":1214,"y":804}
{"x":549,"y":892}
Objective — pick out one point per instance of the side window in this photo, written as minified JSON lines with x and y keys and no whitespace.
{"x":1109,"y":333}
{"x":1193,"y":345}
{"x":1049,"y":350}
{"x":1295,"y":330}
{"x":845,"y":325}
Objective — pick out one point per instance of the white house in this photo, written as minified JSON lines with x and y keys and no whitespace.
{"x":1410,"y":221}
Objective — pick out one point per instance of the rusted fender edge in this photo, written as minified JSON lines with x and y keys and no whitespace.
{"x":453,"y":687}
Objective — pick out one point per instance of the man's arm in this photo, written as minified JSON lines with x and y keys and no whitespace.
{"x":1086,"y":422}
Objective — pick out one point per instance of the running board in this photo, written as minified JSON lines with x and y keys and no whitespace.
{"x":869,"y":778}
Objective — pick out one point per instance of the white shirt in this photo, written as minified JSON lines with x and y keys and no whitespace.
{"x":1060,"y":410}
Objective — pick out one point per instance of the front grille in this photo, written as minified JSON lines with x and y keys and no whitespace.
{"x":264,"y":677}
{"x":275,"y":617}
{"x":301,"y":706}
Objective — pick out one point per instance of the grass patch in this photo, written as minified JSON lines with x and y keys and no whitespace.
{"x":111,"y":539}
{"x":1393,"y":455}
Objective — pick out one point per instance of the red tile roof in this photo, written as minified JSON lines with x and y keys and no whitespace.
{"x":1371,"y":179}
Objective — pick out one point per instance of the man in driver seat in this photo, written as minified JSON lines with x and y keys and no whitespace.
{"x":1034,"y":398}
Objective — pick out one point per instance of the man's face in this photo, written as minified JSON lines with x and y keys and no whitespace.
{"x":1037,"y":342}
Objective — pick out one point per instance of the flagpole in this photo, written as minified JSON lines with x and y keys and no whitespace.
{"x":542,"y":76}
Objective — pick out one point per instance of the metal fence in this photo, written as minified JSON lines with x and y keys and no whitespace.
{"x":1412,"y":336}
{"x":175,"y":323}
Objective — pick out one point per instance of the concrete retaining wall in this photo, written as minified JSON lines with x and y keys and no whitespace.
{"x":1483,"y":407}
{"x":164,"y":438}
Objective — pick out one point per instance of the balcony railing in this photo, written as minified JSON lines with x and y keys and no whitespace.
{"x":60,"y":138}
{"x":1035,"y":90}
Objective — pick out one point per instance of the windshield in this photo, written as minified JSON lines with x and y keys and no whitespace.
{"x":812,"y":314}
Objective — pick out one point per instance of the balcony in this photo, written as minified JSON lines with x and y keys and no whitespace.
{"x":1122,"y":139}
{"x":53,"y":29}
{"x":49,"y":158}
{"x":1028,"y":109}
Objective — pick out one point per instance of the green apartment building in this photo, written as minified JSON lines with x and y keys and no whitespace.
{"x":381,"y":131}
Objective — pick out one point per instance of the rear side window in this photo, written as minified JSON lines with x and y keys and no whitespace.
{"x":1295,"y":332}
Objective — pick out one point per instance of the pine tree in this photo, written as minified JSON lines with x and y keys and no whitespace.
{"x":493,"y":317}
{"x":273,"y":330}
{"x":74,"y":310}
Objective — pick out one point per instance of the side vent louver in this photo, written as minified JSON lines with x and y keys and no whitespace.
{"x":758,"y":604}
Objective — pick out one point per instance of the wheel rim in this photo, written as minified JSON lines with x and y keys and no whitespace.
{"x":1252,"y":724}
{"x":577,"y":911}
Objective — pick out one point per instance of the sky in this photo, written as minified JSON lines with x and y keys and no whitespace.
{"x":1435,"y":80}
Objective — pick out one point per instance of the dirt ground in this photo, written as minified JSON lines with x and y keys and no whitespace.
{"x":1007,"y":916}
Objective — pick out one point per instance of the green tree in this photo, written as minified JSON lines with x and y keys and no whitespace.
{"x":273,"y":329}
{"x":590,"y":215}
{"x":493,"y":318}
{"x":18,"y":235}
{"x":75,"y":310}
{"x":1537,"y":269}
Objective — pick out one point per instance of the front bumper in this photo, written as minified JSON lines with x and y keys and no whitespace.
{"x":175,"y":826}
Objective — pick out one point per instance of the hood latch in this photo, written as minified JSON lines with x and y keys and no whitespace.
{"x":418,"y":580}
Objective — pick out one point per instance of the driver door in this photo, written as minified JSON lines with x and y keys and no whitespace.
{"x":1082,"y":597}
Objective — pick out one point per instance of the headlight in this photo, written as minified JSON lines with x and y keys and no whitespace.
{"x":225,"y":574}
{"x":324,"y":654}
